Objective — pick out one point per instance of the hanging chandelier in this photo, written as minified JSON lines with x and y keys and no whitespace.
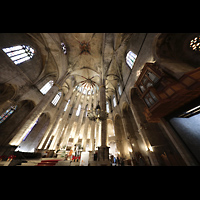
{"x":97,"y":114}
{"x":195,"y":43}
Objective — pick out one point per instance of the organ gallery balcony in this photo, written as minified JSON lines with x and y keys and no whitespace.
{"x":162,"y":93}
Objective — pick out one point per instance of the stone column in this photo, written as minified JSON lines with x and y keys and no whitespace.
{"x":92,"y":136}
{"x":56,"y":130}
{"x":103,"y":150}
{"x":65,"y":120}
{"x":80,"y":120}
{"x":22,"y":130}
{"x":54,"y":126}
{"x":84,"y":141}
{"x":142,"y":132}
{"x":71,"y":120}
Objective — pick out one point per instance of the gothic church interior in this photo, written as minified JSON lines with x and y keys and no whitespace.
{"x":129,"y":95}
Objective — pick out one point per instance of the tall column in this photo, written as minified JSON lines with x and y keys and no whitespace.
{"x":142,"y":132}
{"x":92,"y":135}
{"x":54,"y":126}
{"x":80,"y":120}
{"x":57,"y":127}
{"x":103,"y":150}
{"x":104,"y":122}
{"x":71,"y":120}
{"x":66,"y":121}
{"x":129,"y":140}
{"x":22,"y":130}
{"x":84,"y":140}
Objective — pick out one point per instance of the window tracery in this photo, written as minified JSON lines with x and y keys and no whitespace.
{"x":56,"y":98}
{"x":47,"y":87}
{"x":19,"y":53}
{"x":130,"y":59}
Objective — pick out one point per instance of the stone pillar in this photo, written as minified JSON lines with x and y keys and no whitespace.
{"x":65,"y":121}
{"x":55,"y":124}
{"x":84,"y":141}
{"x":103,"y":150}
{"x":80,"y":120}
{"x":22,"y":130}
{"x":130,"y":139}
{"x":57,"y":128}
{"x":142,"y":132}
{"x":32,"y":140}
{"x":71,"y":120}
{"x":92,"y":136}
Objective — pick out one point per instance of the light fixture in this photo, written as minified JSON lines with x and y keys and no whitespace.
{"x":97,"y":114}
{"x":195,"y":43}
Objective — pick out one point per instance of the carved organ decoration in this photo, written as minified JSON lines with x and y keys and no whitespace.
{"x":162,"y":93}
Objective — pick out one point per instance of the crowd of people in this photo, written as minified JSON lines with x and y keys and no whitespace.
{"x":119,"y":161}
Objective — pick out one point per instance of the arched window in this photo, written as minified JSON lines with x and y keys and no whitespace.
{"x":47,"y":87}
{"x":56,"y":98}
{"x":20,"y":53}
{"x":78,"y":110}
{"x":66,"y":105}
{"x":114,"y":101}
{"x":119,"y":89}
{"x":107,"y":107}
{"x":8,"y":112}
{"x":130,"y":59}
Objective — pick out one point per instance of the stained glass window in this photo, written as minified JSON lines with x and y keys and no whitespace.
{"x":8,"y":112}
{"x":47,"y":87}
{"x":19,"y":53}
{"x":56,"y":98}
{"x":64,"y":48}
{"x":130,"y":59}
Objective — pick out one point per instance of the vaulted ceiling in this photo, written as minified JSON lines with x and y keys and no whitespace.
{"x":89,"y":55}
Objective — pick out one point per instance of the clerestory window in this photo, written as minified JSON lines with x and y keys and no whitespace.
{"x":78,"y":110}
{"x":19,"y":53}
{"x":130,"y":59}
{"x":47,"y":87}
{"x":56,"y":98}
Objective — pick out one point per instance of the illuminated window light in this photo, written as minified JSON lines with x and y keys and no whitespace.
{"x":56,"y":98}
{"x":195,"y":44}
{"x":19,"y":53}
{"x":130,"y":59}
{"x":47,"y":87}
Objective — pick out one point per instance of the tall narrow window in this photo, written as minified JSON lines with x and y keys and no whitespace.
{"x":8,"y":112}
{"x":56,"y":98}
{"x":66,"y":105}
{"x":130,"y":59}
{"x":114,"y":101}
{"x":20,"y":53}
{"x":47,"y":87}
{"x":119,"y":89}
{"x":107,"y":107}
{"x":78,"y":110}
